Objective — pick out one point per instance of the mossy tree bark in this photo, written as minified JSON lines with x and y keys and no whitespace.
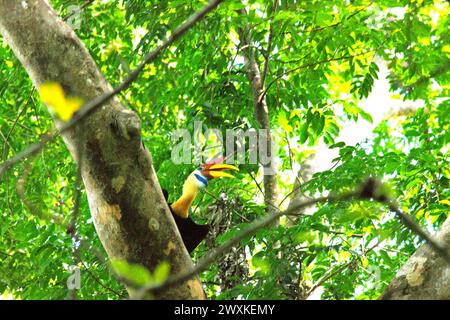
{"x":425,"y":276}
{"x":131,"y":217}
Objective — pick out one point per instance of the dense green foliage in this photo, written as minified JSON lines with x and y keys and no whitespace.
{"x":321,"y":64}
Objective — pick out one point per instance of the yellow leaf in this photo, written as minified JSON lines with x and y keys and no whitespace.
{"x":433,"y":219}
{"x":295,"y":112}
{"x":152,"y":69}
{"x":446,"y":48}
{"x":72,"y":106}
{"x":365,"y":261}
{"x":420,"y":213}
{"x":52,"y":95}
{"x":425,"y":41}
{"x":447,"y":202}
{"x":343,"y":256}
{"x":284,"y":123}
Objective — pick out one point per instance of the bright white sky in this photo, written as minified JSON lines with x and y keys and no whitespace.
{"x":378,"y":104}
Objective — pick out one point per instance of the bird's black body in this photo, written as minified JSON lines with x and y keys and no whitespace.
{"x":191,"y":233}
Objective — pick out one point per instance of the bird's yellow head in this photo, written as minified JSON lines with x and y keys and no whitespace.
{"x":199,"y":180}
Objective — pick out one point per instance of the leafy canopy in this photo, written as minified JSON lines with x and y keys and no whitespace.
{"x":323,"y":60}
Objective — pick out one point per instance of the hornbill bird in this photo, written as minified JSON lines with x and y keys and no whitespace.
{"x":192,"y":233}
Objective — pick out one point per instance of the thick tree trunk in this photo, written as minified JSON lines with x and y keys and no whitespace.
{"x":130,"y":214}
{"x":425,"y":275}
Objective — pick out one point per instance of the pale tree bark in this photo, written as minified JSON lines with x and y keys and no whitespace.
{"x":261,"y":110}
{"x":426,"y":275}
{"x":130,"y":214}
{"x":298,"y":195}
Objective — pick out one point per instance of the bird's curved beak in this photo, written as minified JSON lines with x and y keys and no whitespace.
{"x":218,"y":170}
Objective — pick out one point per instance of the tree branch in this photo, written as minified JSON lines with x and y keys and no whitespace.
{"x":94,"y":104}
{"x":79,"y":9}
{"x":371,"y":189}
{"x":261,"y":111}
{"x":249,"y":231}
{"x":269,"y":47}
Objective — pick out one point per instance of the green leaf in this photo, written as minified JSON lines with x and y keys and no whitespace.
{"x":135,"y":273}
{"x":366,"y":116}
{"x":162,"y":272}
{"x":337,"y":145}
{"x":303,"y":135}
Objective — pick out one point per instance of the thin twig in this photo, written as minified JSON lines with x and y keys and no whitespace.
{"x":72,"y":227}
{"x":344,"y":266}
{"x":78,"y":10}
{"x":352,"y":235}
{"x":308,"y":65}
{"x":295,"y":189}
{"x":373,"y":189}
{"x":21,"y":112}
{"x":408,"y":221}
{"x":257,"y":183}
{"x":19,"y":124}
{"x":6,"y":143}
{"x":329,"y":276}
{"x":97,"y":279}
{"x":340,"y":22}
{"x":269,"y":47}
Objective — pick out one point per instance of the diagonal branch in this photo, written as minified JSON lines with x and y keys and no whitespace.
{"x":249,"y":231}
{"x":368,"y":190}
{"x":94,"y":104}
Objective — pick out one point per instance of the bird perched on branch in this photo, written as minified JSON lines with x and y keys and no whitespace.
{"x":192,"y":233}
